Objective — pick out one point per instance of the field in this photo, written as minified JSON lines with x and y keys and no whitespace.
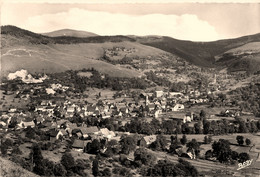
{"x":205,"y":165}
{"x":11,"y":101}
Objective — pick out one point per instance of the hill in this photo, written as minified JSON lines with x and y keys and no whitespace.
{"x":22,"y":49}
{"x":69,"y":32}
{"x":245,"y":57}
{"x":19,"y":36}
{"x":10,"y":169}
{"x":199,"y":53}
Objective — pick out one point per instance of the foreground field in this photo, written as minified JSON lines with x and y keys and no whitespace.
{"x":210,"y":167}
{"x":10,"y":169}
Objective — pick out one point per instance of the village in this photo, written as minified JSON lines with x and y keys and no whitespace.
{"x":61,"y":121}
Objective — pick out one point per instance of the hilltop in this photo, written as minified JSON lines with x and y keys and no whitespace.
{"x":69,"y":32}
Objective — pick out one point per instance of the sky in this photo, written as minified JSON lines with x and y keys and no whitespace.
{"x":195,"y":21}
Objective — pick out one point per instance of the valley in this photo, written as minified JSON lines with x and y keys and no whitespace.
{"x":73,"y":103}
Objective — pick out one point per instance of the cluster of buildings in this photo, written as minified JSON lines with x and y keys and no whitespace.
{"x":155,"y":104}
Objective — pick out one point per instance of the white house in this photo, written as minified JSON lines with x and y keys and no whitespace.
{"x":25,"y":124}
{"x":159,"y":93}
{"x":178,"y":107}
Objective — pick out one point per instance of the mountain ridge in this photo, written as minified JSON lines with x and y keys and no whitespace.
{"x":202,"y":54}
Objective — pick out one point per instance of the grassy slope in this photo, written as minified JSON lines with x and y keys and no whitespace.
{"x":10,"y":169}
{"x":242,"y":61}
{"x":18,"y":53}
{"x":252,"y":46}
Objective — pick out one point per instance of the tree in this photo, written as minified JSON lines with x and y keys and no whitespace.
{"x":209,"y":139}
{"x":174,"y":144}
{"x":194,"y":145}
{"x":162,"y":168}
{"x":159,"y":144}
{"x":240,"y":140}
{"x":197,"y":127}
{"x":3,"y":148}
{"x":122,"y":171}
{"x":106,"y":172}
{"x":202,"y":114}
{"x":67,"y":160}
{"x":128,"y":144}
{"x":46,"y":168}
{"x":16,"y":150}
{"x":221,"y":150}
{"x":242,"y":127}
{"x":80,"y":166}
{"x":167,"y":168}
{"x":242,"y":157}
{"x":36,"y":154}
{"x":183,"y":140}
{"x":142,"y":156}
{"x":93,"y":147}
{"x":30,"y":133}
{"x":208,"y":154}
{"x":59,"y":170}
{"x":186,"y":166}
{"x":206,"y":140}
{"x":95,"y":170}
{"x":37,"y":159}
{"x":207,"y":127}
{"x":234,"y":155}
{"x":248,"y":142}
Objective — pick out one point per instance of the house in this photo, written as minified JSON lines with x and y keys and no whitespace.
{"x":12,"y":110}
{"x":178,"y":115}
{"x":106,"y":133}
{"x":157,"y":113}
{"x":26,"y":123}
{"x":70,"y":109}
{"x":55,"y":134}
{"x":150,"y":107}
{"x":191,"y":154}
{"x":90,"y":110}
{"x":61,"y":123}
{"x":188,"y":117}
{"x":159,"y":93}
{"x":174,"y":94}
{"x":46,"y":103}
{"x":105,"y":108}
{"x":163,"y":104}
{"x":79,"y":145}
{"x":178,"y":107}
{"x":106,"y":115}
{"x":64,"y":132}
{"x":87,"y":131}
{"x":96,"y":113}
{"x":117,"y":113}
{"x":49,"y":109}
{"x":147,"y":140}
{"x":40,"y":108}
{"x":39,"y":120}
{"x":124,"y":110}
{"x":3,"y":123}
